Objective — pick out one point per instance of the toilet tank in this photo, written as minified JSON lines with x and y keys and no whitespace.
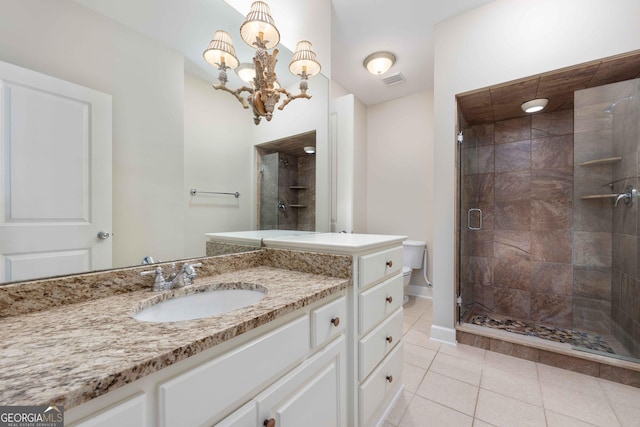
{"x":413,"y":253}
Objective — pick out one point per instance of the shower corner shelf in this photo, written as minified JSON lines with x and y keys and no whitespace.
{"x":605,"y":161}
{"x":297,"y":206}
{"x":598,"y":196}
{"x":297,"y":187}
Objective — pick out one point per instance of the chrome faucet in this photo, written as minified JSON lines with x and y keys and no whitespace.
{"x":628,"y":196}
{"x":176,"y":280}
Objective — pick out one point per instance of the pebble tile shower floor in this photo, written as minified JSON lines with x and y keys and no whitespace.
{"x":562,"y":335}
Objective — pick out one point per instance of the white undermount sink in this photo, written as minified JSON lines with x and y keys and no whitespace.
{"x":199,"y":305}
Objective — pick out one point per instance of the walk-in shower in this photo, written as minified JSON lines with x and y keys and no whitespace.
{"x":286,"y":184}
{"x":548,"y":212}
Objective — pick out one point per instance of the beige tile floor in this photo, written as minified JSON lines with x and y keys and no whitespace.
{"x":466,"y":386}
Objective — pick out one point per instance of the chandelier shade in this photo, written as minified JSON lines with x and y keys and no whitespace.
{"x":259,"y":24}
{"x":304,"y":60}
{"x":221,"y":50}
{"x":246,"y":72}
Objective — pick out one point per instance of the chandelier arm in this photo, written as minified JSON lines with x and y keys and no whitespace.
{"x":235,"y":93}
{"x":290,"y":97}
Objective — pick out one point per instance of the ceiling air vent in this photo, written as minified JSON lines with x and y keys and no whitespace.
{"x":393,"y":79}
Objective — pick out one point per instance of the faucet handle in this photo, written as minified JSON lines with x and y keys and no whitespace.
{"x":190,"y":272}
{"x":156,"y":271}
{"x":159,"y":282}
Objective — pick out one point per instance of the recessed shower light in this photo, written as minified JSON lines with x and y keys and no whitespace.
{"x":309,"y":149}
{"x":534,"y":105}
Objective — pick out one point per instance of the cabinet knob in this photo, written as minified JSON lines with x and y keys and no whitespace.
{"x":389,"y":339}
{"x":335,"y":321}
{"x":389,"y":299}
{"x":271,"y":422}
{"x":389,"y":263}
{"x":389,"y":378}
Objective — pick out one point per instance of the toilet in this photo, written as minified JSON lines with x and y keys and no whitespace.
{"x":412,"y":258}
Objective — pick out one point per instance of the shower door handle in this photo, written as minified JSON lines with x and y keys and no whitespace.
{"x":471,"y":213}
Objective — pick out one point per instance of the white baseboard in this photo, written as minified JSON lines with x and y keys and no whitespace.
{"x":420,"y":291}
{"x":443,"y":335}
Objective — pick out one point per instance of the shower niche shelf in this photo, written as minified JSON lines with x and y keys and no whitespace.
{"x":598,"y":196}
{"x":297,"y":206}
{"x":597,"y":162}
{"x":297,"y":187}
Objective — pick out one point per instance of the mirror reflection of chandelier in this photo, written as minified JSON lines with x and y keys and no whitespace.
{"x":260,"y":32}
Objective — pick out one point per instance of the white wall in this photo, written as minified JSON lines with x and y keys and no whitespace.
{"x":66,"y":40}
{"x":218,"y":156}
{"x":494,"y":44}
{"x":360,"y":167}
{"x":337,"y":90}
{"x":399,"y":169}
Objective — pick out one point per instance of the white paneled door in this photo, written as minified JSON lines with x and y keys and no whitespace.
{"x":55,"y":158}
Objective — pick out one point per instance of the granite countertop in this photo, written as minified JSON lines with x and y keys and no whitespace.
{"x":74,"y":352}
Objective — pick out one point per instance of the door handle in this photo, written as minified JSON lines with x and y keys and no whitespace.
{"x":103,"y":235}
{"x":469,"y":214}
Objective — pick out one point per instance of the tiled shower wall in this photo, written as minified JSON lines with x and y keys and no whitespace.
{"x":520,"y":175}
{"x":296,"y":189}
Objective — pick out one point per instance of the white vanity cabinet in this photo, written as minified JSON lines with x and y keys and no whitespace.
{"x":274,"y":371}
{"x":374,"y":326}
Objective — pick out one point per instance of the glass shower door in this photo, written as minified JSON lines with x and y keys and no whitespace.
{"x":268,"y":189}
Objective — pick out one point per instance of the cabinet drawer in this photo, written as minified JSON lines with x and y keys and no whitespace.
{"x":383,"y":382}
{"x":198,"y":396}
{"x":378,"y":302}
{"x":328,"y":321}
{"x":129,"y":413}
{"x":378,"y":342}
{"x":377,"y":266}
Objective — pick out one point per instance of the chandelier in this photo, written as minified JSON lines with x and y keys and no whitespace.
{"x":259,"y":31}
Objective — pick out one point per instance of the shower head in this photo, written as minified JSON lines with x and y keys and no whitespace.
{"x":284,"y":161}
{"x":612,"y":106}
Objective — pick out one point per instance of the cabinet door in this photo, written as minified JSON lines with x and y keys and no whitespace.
{"x":312,"y":395}
{"x":243,"y":417}
{"x":129,"y":413}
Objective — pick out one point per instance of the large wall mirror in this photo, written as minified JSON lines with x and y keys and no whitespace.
{"x":171,"y":131}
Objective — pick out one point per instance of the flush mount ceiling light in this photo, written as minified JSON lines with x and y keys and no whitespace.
{"x":379,"y":63}
{"x":310,"y":150}
{"x":534,"y":105}
{"x":259,"y":31}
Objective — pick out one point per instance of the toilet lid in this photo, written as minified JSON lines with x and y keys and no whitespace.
{"x":406,"y":270}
